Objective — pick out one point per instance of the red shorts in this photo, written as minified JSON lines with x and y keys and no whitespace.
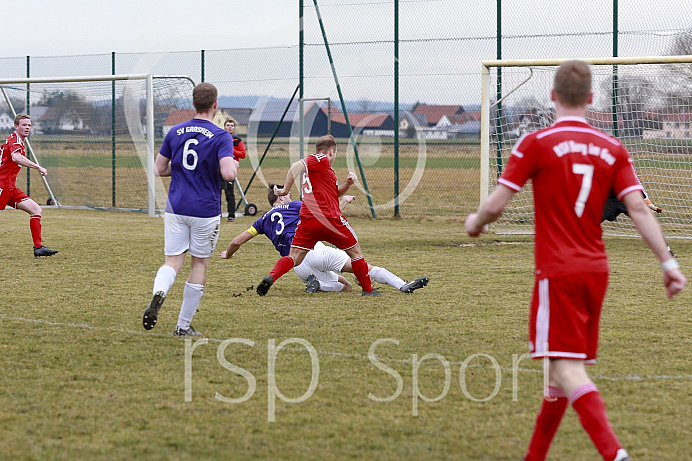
{"x":565,"y":315}
{"x":336,"y":231}
{"x":11,"y":196}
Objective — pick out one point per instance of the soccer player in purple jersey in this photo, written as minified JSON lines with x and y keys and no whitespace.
{"x":192,"y":154}
{"x":320,"y":266}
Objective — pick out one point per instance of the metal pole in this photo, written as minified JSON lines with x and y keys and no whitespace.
{"x":113,"y":129}
{"x":615,"y":69}
{"x":396,"y":108}
{"x":498,"y":121}
{"x":202,"y":80}
{"x":301,"y":76}
{"x":150,"y":146}
{"x":343,"y":108}
{"x":28,"y":112}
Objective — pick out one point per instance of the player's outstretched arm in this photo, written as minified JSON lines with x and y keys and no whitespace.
{"x":350,"y":180}
{"x":648,"y":227}
{"x":491,"y":209}
{"x":25,"y":162}
{"x":235,"y":244}
{"x":229,"y":168}
{"x":294,"y":172}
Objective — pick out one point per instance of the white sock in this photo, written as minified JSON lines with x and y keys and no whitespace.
{"x":164,"y":279}
{"x":192,"y":295}
{"x":382,"y":275}
{"x":621,"y":454}
{"x":331,"y":286}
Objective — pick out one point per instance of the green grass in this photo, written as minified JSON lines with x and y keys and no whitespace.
{"x":82,"y":380}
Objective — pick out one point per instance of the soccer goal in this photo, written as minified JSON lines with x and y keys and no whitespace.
{"x":96,"y":136}
{"x":645,"y":102}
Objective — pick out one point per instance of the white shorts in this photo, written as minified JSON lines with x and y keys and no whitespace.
{"x":198,"y":236}
{"x":323,"y":262}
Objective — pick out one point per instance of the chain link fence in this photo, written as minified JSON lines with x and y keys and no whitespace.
{"x":433,"y":172}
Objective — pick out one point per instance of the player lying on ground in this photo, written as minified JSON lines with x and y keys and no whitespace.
{"x":320,"y":266}
{"x":320,"y":216}
{"x":12,"y":159}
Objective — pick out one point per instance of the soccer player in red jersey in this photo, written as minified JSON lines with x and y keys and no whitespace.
{"x":320,"y":216}
{"x":573,"y":167}
{"x":12,"y":159}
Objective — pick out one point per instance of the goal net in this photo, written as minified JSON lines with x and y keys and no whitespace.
{"x":644,"y":102}
{"x":96,"y":136}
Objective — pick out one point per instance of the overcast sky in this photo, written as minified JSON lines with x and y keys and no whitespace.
{"x":85,"y":27}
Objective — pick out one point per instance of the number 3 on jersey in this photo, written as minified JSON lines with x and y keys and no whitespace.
{"x":587,"y":171}
{"x":307,"y":189}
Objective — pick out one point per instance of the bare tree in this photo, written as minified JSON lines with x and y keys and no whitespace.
{"x":634,"y":95}
{"x":679,"y":90}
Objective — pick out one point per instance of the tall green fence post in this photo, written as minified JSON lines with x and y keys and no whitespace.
{"x":28,"y":112}
{"x":396,"y":108}
{"x":113,"y":129}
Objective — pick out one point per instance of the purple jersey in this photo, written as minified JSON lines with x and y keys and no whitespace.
{"x":279,"y":224}
{"x":195,"y":148}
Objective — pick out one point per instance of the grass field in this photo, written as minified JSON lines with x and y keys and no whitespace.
{"x":82,"y":380}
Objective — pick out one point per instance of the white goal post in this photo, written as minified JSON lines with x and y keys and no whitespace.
{"x":94,"y":133}
{"x":643,"y":101}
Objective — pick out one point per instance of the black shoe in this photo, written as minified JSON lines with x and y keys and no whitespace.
{"x":265,"y":285}
{"x":410,"y":287}
{"x":669,"y":250}
{"x":230,"y":218}
{"x":371,"y":293}
{"x":43,"y":251}
{"x":152,"y":312}
{"x":189,"y":331}
{"x":313,"y":285}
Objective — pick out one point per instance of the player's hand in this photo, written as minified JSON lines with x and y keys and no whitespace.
{"x":224,"y":254}
{"x":348,"y":198}
{"x":351,"y":178}
{"x":471,"y":226}
{"x":42,"y":170}
{"x":279,"y":191}
{"x":674,"y":281}
{"x":652,"y":206}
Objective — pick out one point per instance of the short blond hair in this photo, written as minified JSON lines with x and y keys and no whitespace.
{"x":572,"y":83}
{"x":20,"y":117}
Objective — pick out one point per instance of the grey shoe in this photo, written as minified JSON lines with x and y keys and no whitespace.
{"x":189,"y":331}
{"x":265,"y":285}
{"x":410,"y":287}
{"x":43,"y":251}
{"x":371,"y":293}
{"x":313,"y":285}
{"x":152,"y":312}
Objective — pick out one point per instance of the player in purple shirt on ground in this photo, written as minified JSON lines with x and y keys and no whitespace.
{"x":192,"y":154}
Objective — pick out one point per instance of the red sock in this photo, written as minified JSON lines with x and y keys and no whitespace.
{"x":360,"y":270}
{"x":587,"y":402}
{"x":547,"y":422}
{"x":35,"y":226}
{"x":283,"y":265}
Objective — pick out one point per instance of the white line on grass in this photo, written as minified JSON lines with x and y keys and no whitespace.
{"x":334,"y":354}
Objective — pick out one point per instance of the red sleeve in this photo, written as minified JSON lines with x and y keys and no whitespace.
{"x":626,"y":180}
{"x":239,"y":149}
{"x":520,"y":165}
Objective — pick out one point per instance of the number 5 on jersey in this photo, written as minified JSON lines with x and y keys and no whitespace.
{"x":587,"y":171}
{"x":306,"y":180}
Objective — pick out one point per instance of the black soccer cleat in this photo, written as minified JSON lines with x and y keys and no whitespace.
{"x":371,"y":293}
{"x":265,"y":285}
{"x":189,"y":331}
{"x":313,"y":285}
{"x":152,"y":312}
{"x":410,"y":287}
{"x":43,"y":251}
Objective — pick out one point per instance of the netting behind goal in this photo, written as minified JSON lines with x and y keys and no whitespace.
{"x":92,"y":136}
{"x":642,"y":101}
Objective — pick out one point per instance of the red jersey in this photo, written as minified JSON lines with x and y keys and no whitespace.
{"x":320,"y":188}
{"x":8,"y":168}
{"x":573,"y":168}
